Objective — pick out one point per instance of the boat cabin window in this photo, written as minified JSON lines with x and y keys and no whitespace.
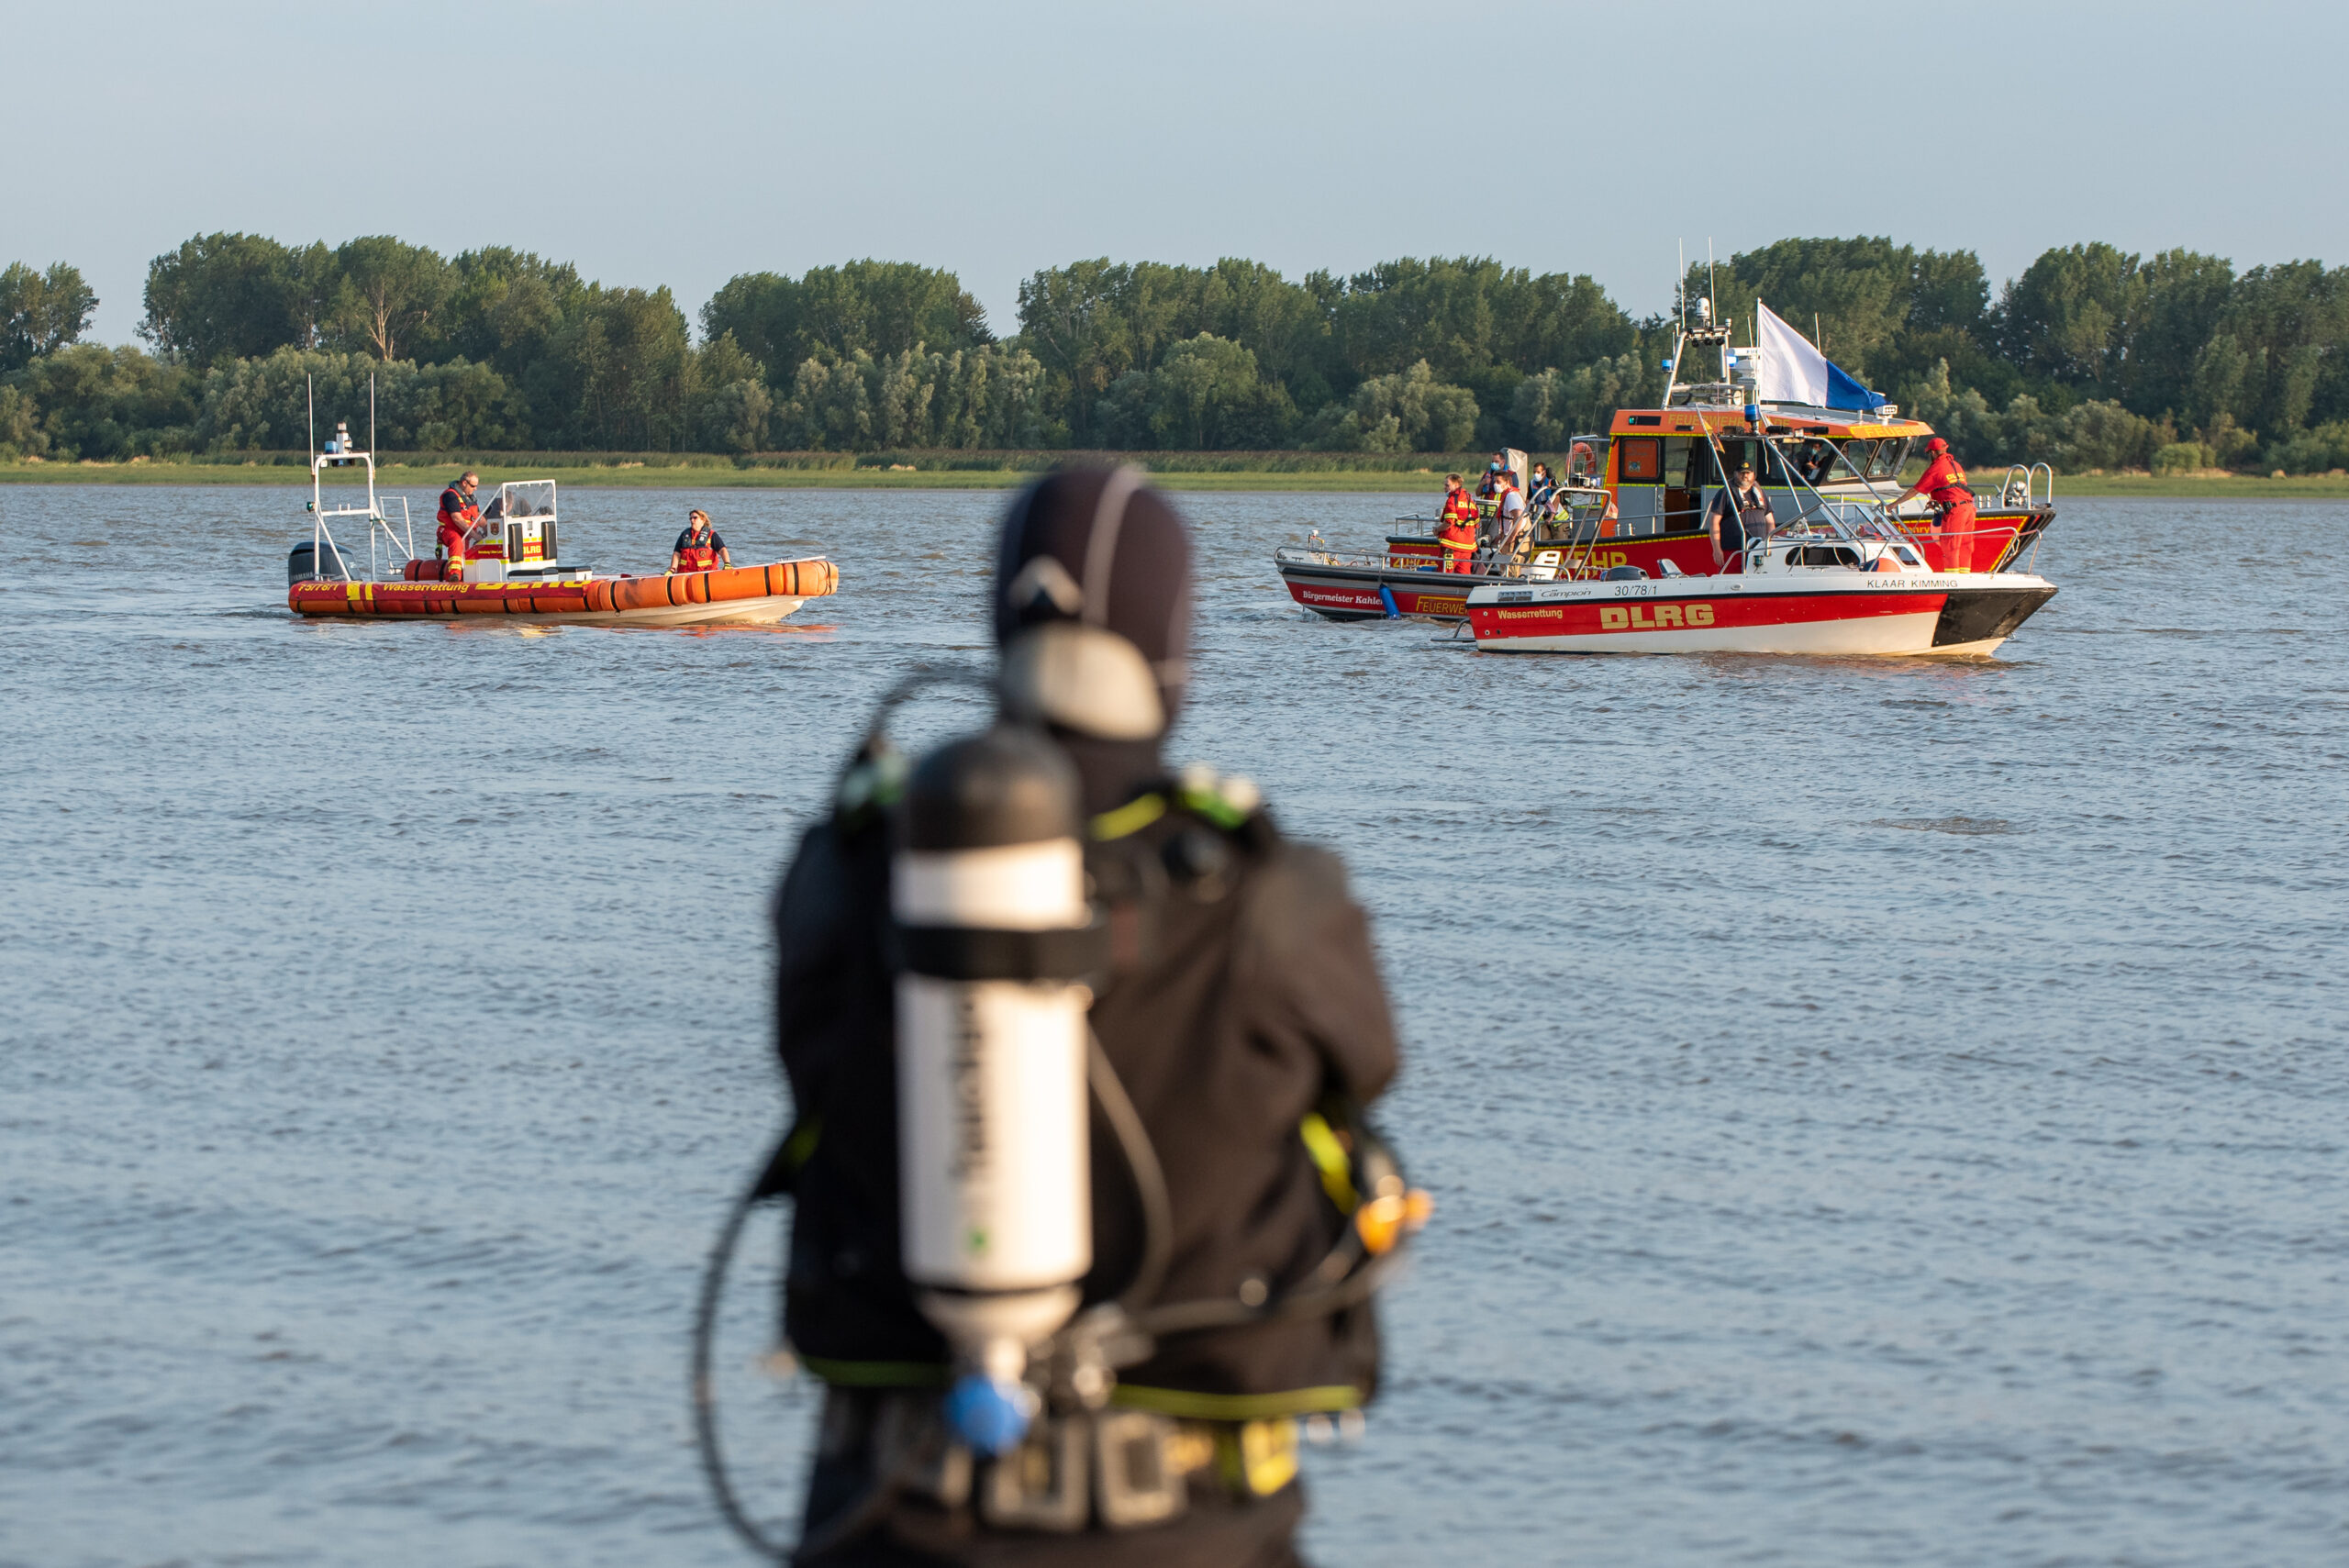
{"x":1823,"y":462}
{"x":1890,"y":453}
{"x":1736,"y":452}
{"x":1824,"y":555}
{"x":1686,"y":464}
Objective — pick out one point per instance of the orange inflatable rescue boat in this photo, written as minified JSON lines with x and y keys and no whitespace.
{"x":513,"y":569}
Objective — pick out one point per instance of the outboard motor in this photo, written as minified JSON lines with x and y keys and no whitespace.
{"x":992,"y":1037}
{"x":302,"y":563}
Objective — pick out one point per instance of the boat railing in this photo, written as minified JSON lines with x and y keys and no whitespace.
{"x":1878,"y":519}
{"x":1856,"y":524}
{"x":2022,"y":487}
{"x":382,"y":539}
{"x":385,"y":539}
{"x":1313,"y":554}
{"x":1524,"y":565}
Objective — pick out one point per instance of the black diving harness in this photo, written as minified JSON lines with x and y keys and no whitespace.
{"x":1358,"y":1172}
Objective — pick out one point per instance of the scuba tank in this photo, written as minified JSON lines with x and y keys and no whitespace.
{"x":988,"y":896}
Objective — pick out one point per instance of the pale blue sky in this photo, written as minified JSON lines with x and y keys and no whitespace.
{"x":686,"y":142}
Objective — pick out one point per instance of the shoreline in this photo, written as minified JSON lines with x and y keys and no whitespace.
{"x":2313,"y":487}
{"x":695,"y":478}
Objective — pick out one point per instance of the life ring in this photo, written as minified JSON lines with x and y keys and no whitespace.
{"x":1581,"y":458}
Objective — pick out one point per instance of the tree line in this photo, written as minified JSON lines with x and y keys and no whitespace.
{"x":2092,"y":357}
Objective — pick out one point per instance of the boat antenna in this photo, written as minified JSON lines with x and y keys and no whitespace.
{"x":1713,"y":303}
{"x":371,"y":412}
{"x":1680,"y":287}
{"x":311,"y":383}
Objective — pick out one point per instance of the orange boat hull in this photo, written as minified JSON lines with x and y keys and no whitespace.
{"x":754,"y":594}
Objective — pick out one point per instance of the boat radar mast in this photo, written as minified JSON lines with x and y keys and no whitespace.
{"x":1699,"y":330}
{"x":325,"y":556}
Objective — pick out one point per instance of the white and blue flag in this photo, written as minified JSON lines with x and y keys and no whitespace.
{"x":1793,"y":371}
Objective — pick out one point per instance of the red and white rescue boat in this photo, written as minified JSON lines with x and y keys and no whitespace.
{"x":1824,"y":588}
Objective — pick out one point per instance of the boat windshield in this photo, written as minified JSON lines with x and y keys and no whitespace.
{"x":1821,"y":461}
{"x":528,"y":498}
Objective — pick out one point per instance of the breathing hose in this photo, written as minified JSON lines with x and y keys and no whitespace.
{"x":705,"y":1394}
{"x":836,"y":1533}
{"x":1149,"y":1177}
{"x":1157,"y":1214}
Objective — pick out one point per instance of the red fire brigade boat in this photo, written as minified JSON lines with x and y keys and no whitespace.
{"x":1638,"y":497}
{"x":513,"y":569}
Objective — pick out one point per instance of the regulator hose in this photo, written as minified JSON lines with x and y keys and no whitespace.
{"x":1149,"y":1177}
{"x":836,"y":1533}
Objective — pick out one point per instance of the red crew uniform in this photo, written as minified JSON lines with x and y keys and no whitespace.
{"x":1458,"y":541}
{"x":1944,"y":482}
{"x":1456,"y":533}
{"x":458,"y":515}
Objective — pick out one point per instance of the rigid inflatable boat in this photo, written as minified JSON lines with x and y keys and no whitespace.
{"x":513,"y":568}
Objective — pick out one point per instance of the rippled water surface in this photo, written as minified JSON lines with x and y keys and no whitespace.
{"x":1881,"y":1112}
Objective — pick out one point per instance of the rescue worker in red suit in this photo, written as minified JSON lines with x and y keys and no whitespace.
{"x":1944,"y":483}
{"x":458,"y":515}
{"x":1455,"y":532}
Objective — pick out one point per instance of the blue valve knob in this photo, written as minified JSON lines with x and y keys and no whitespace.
{"x":990,"y":1416}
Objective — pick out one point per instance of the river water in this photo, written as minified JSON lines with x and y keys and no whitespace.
{"x":1880,"y":1112}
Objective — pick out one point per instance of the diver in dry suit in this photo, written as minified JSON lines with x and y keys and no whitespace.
{"x":1243,"y":1008}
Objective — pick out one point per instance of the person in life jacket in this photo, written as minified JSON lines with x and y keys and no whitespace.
{"x":1488,"y":489}
{"x":1739,"y":515}
{"x":458,"y":515}
{"x":1943,"y":482}
{"x":699,"y":547}
{"x":1455,"y":532}
{"x":1240,"y":1005}
{"x":1543,"y":490}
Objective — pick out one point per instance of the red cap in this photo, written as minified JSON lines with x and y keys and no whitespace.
{"x":1937,"y":445}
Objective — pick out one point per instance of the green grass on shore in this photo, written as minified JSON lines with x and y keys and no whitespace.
{"x":723,"y":476}
{"x":695,"y":477}
{"x":2186,"y":487}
